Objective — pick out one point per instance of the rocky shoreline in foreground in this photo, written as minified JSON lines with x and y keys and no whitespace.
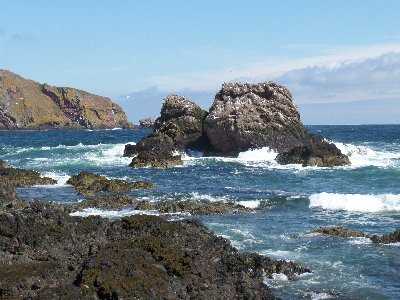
{"x":46,"y":253}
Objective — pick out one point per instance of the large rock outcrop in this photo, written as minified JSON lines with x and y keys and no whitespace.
{"x":26,"y":104}
{"x":245,"y":116}
{"x":179,"y":127}
{"x":242,"y":117}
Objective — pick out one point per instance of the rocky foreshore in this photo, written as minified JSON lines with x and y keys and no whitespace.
{"x":46,"y":253}
{"x":242,"y":117}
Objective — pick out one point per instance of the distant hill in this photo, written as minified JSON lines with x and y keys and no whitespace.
{"x":26,"y":104}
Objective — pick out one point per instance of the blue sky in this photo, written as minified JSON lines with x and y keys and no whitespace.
{"x":324,"y":51}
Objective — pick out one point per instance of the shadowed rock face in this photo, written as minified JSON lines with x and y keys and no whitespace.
{"x":245,"y":116}
{"x":179,"y":127}
{"x":26,"y":104}
{"x":317,"y":154}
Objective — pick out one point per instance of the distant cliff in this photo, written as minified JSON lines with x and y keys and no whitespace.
{"x":26,"y":104}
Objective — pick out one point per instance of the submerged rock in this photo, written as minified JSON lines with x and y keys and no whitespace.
{"x":179,"y":127}
{"x":393,"y":237}
{"x":194,"y":208}
{"x":247,"y":116}
{"x":26,"y":104}
{"x":46,"y":253}
{"x":86,"y":183}
{"x":339,"y":231}
{"x":316,"y":154}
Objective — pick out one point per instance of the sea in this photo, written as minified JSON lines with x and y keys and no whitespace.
{"x":290,"y":201}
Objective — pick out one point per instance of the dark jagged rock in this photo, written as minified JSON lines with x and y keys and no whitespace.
{"x":246,"y":116}
{"x":46,"y":253}
{"x":393,"y":237}
{"x":25,"y":104}
{"x":339,"y":231}
{"x":22,"y":178}
{"x":318,"y":153}
{"x":86,"y":183}
{"x":179,"y":127}
{"x":146,"y":123}
{"x":111,"y":201}
{"x":194,"y":208}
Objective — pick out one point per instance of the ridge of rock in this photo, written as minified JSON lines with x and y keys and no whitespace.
{"x":26,"y":104}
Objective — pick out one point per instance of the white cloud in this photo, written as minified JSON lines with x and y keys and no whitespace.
{"x":377,"y":77}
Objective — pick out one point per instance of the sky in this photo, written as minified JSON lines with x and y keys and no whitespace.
{"x":330,"y":54}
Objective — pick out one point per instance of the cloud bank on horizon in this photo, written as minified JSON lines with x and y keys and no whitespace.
{"x":356,"y":90}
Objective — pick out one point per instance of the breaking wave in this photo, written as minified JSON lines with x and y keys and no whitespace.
{"x":356,"y":202}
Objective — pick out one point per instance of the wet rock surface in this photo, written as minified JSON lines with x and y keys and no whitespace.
{"x":46,"y":253}
{"x":86,"y":183}
{"x":194,"y":208}
{"x":393,"y":237}
{"x":339,"y":231}
{"x":20,"y":177}
{"x":389,"y":238}
{"x":317,"y":154}
{"x":179,"y":127}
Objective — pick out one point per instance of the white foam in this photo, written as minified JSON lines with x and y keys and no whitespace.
{"x":361,"y":156}
{"x":356,"y":202}
{"x":320,"y":296}
{"x":360,"y":241}
{"x":249,"y":203}
{"x":262,"y":154}
{"x":61,"y":178}
{"x":113,"y":214}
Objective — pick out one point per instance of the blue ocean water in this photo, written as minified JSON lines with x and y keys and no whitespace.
{"x":292,"y":200}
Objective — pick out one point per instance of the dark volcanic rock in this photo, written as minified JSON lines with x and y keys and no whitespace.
{"x":317,"y":153}
{"x":19,"y":177}
{"x":179,"y":127}
{"x":339,"y":231}
{"x":194,"y":208}
{"x":111,"y":201}
{"x":25,"y":104}
{"x":393,"y":237}
{"x":45,"y":253}
{"x":245,"y":116}
{"x":87,"y":183}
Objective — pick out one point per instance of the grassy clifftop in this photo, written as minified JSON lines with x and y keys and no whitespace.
{"x":26,"y":104}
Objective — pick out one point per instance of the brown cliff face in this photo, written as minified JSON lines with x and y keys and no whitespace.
{"x":26,"y":104}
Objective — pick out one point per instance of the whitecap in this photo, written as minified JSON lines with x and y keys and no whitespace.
{"x":114,"y":214}
{"x":361,"y":156}
{"x":356,"y":202}
{"x":249,"y":203}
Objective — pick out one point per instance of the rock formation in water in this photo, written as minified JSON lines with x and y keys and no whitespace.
{"x":179,"y":127}
{"x":26,"y":104}
{"x":248,"y":116}
{"x":242,"y":117}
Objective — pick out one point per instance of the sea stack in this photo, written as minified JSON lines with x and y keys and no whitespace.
{"x":242,"y":117}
